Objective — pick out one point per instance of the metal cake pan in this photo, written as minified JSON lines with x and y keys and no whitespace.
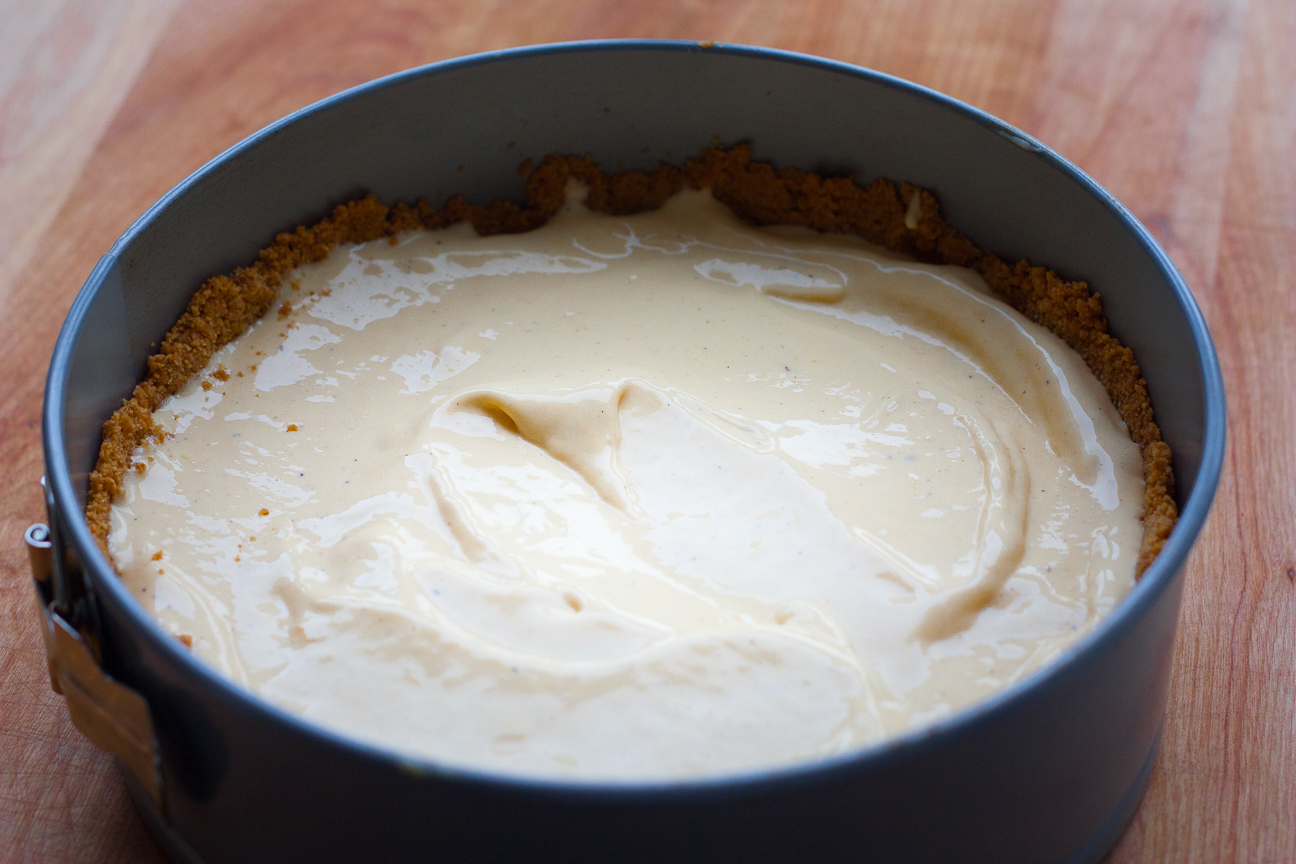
{"x":1050,"y":769}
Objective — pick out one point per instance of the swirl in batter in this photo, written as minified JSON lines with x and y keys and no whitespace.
{"x":633,"y":498}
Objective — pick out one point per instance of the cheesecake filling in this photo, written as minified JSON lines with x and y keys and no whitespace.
{"x":632,"y":498}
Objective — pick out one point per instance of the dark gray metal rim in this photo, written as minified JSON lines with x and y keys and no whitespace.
{"x":1127,"y":614}
{"x":1093,"y":851}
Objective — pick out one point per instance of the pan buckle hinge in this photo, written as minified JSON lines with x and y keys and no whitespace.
{"x":113,"y":716}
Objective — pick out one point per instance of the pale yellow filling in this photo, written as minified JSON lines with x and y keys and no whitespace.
{"x":640,"y":497}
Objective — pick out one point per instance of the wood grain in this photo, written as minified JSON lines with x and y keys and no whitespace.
{"x":1185,"y":110}
{"x":64,"y":69}
{"x":65,"y":66}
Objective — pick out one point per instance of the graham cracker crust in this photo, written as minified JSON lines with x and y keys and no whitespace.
{"x":903,"y":218}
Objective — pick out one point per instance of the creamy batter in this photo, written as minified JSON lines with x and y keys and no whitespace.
{"x":630,"y":498}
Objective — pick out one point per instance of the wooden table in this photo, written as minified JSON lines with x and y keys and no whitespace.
{"x":1185,"y":110}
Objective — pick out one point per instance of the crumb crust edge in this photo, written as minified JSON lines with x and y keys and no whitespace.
{"x":902,"y":217}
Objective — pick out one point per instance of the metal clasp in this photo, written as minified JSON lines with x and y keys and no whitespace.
{"x":41,"y":558}
{"x":113,"y":716}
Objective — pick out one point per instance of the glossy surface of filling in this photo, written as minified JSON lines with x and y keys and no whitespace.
{"x":633,"y":497}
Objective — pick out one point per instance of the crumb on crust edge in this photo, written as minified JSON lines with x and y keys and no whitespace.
{"x":903,"y":218}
